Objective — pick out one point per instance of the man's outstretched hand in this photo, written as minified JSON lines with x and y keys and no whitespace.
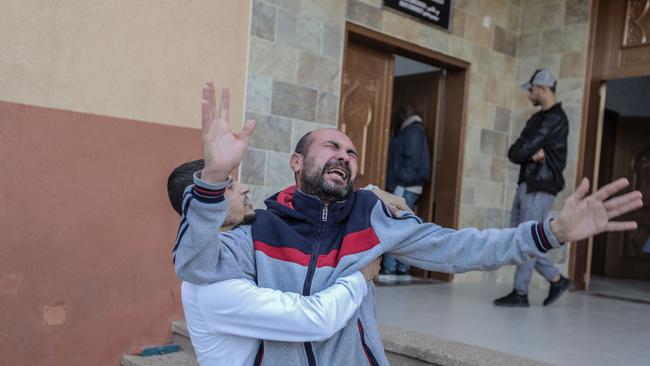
{"x":222,"y":150}
{"x":582,"y":217}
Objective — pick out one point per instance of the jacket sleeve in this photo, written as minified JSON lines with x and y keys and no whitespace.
{"x":411,"y":156}
{"x":435,"y":248}
{"x":525,"y":147}
{"x":202,"y":254}
{"x":240,"y":308}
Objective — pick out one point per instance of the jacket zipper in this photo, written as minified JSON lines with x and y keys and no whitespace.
{"x":311,"y":358}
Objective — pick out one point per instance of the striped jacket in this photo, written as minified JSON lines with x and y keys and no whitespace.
{"x":300,"y":245}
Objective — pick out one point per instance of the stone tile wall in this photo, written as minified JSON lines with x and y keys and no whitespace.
{"x":294,"y":77}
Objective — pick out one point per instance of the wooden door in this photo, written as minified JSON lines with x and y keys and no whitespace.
{"x":626,"y":41}
{"x":423,"y":91}
{"x":628,"y":254}
{"x":365,"y":108}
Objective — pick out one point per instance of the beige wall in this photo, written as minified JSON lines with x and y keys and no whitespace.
{"x":99,"y":101}
{"x":142,"y":60}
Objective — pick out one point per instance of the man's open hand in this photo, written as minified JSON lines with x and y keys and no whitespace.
{"x":222,"y":150}
{"x":582,"y":217}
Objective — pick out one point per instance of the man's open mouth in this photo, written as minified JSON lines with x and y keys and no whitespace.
{"x":339,"y":172}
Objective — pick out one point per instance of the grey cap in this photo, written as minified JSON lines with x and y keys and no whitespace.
{"x":541,"y":77}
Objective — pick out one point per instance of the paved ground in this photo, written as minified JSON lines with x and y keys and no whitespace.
{"x":579,"y":329}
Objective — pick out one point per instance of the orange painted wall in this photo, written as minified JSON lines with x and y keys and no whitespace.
{"x":85,"y":223}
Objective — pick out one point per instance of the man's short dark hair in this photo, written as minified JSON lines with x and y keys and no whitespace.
{"x":179,"y":179}
{"x":303,"y":144}
{"x":405,"y":111}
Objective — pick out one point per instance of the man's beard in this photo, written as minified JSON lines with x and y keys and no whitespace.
{"x":535,"y":102}
{"x":315,"y":184}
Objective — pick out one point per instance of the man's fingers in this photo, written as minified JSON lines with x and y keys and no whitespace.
{"x":247,"y":130}
{"x":610,"y":189}
{"x":211,"y":97}
{"x":621,"y":226}
{"x":205,"y":115}
{"x":621,"y":200}
{"x":224,"y":108}
{"x":394,"y":210}
{"x":581,"y":190}
{"x":625,"y":208}
{"x":208,"y":97}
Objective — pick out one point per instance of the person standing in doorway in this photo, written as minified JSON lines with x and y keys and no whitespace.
{"x":409,"y":168}
{"x":541,"y":152}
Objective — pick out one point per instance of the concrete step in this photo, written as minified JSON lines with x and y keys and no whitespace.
{"x":186,"y":357}
{"x":403,"y":348}
{"x":181,"y":336}
{"x":170,"y":359}
{"x":409,"y":348}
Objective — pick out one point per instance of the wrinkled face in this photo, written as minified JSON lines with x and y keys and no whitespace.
{"x":535,"y":95}
{"x":329,"y":168}
{"x":239,"y":205}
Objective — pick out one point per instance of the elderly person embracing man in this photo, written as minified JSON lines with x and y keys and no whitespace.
{"x":321,"y":228}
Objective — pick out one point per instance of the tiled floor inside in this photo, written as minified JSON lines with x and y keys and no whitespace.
{"x":579,"y":329}
{"x":620,"y":289}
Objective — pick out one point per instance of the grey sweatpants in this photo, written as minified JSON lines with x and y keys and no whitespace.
{"x":526,"y":207}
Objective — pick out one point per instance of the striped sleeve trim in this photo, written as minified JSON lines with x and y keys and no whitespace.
{"x":541,"y":238}
{"x":209,"y":192}
{"x":206,"y":195}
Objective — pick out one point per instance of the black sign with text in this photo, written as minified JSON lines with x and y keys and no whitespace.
{"x":437,"y":12}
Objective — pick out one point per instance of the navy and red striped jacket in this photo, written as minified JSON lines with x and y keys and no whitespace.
{"x":300,"y":245}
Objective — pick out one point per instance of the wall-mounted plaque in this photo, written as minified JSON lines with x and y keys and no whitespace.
{"x":437,"y":12}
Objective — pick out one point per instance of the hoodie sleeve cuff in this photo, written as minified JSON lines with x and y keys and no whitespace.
{"x":209,"y":192}
{"x":543,"y":237}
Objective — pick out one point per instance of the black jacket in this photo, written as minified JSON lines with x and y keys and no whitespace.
{"x":546,"y":130}
{"x":409,"y":163}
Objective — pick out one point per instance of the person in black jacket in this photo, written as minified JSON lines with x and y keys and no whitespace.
{"x":541,"y":152}
{"x":409,"y":168}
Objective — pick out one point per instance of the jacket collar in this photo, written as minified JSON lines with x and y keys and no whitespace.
{"x":293,"y":203}
{"x":409,"y":121}
{"x":554,"y":108}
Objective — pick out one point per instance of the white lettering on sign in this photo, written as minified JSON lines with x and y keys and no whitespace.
{"x":421,"y":8}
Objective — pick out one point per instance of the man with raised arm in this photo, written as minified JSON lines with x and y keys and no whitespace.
{"x":227,"y":319}
{"x":321,"y":229}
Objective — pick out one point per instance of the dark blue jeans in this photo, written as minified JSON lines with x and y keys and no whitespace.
{"x":390,"y":264}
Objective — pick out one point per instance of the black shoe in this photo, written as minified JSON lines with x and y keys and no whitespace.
{"x":557,"y":289}
{"x":385,"y":272}
{"x":513,"y":299}
{"x":402,"y":272}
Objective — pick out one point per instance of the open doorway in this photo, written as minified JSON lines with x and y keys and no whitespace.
{"x":613,"y":143}
{"x":620,"y":264}
{"x":379,"y":74}
{"x":422,"y":87}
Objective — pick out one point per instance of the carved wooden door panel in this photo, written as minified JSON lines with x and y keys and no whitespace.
{"x":628,"y":43}
{"x":422,"y":91}
{"x":365,"y":108}
{"x":628,"y":254}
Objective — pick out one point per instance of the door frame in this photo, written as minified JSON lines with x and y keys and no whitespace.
{"x":452,"y":151}
{"x":598,"y":71}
